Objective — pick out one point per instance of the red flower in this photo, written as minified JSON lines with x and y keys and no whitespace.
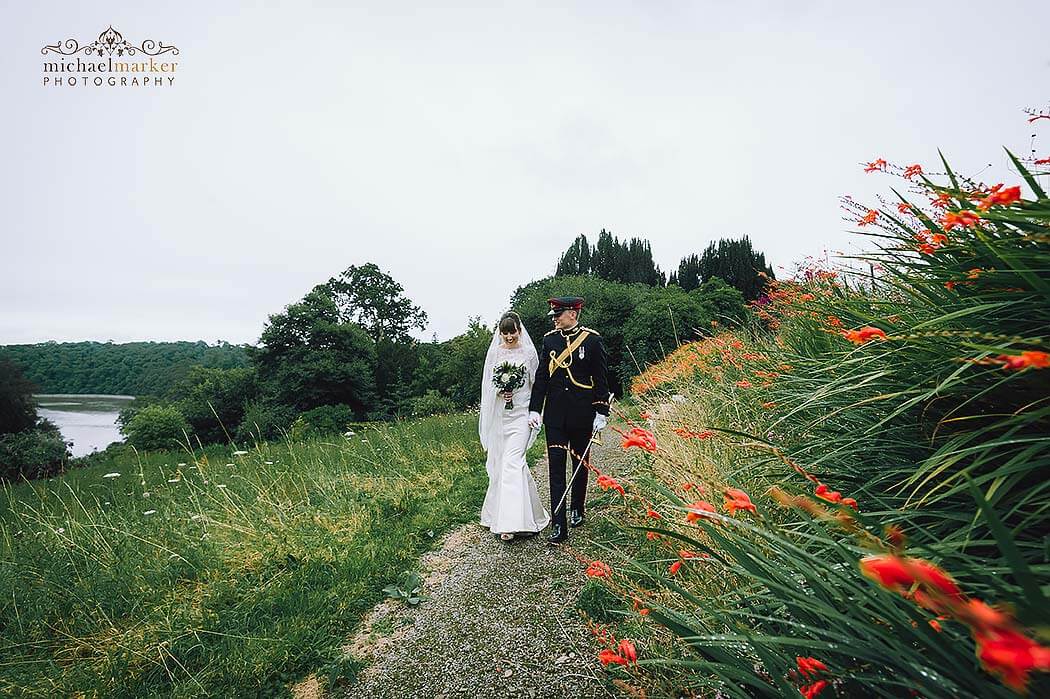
{"x":652,"y":536}
{"x":1011,"y":656}
{"x":868,"y":217}
{"x":597,"y":569}
{"x":736,"y":499}
{"x":688,"y":486}
{"x":637,"y":437}
{"x":628,"y":651}
{"x":1004,"y":197}
{"x":607,"y":482}
{"x":898,"y":574}
{"x":699,"y":510}
{"x":653,"y":513}
{"x":673,"y":570}
{"x":942,"y":201}
{"x":904,"y":207}
{"x":850,"y":502}
{"x":859,"y":337}
{"x":1043,"y":161}
{"x":744,"y":383}
{"x":644,"y":415}
{"x":912,"y":171}
{"x":879,"y":164}
{"x":927,"y":249}
{"x":769,"y":404}
{"x":1031,"y":359}
{"x":814,"y":689}
{"x":939,"y":239}
{"x":611,"y":657}
{"x":966,"y":219}
{"x":950,"y":285}
{"x":640,"y":606}
{"x":809,"y":667}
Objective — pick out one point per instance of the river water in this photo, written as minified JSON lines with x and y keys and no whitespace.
{"x":89,"y":421}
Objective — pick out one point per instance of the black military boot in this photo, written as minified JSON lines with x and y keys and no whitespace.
{"x":575,"y":518}
{"x":558,"y":534}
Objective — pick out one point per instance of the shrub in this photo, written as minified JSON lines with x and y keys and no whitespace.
{"x":432,"y":403}
{"x":157,"y":427}
{"x":34,"y":453}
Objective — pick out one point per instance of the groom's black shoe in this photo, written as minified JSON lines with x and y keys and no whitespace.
{"x":558,"y":534}
{"x":575,"y":518}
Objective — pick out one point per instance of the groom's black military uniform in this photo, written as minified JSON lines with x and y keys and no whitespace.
{"x":569,"y":389}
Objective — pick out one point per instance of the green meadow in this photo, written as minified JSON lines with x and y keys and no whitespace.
{"x":216,"y":571}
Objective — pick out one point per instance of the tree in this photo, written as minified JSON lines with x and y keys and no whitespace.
{"x":689,"y":272}
{"x":464,"y":361}
{"x":664,"y":319}
{"x":17,"y":409}
{"x":629,"y":261}
{"x":371,"y":298}
{"x":213,"y":400}
{"x":723,"y":302}
{"x":309,"y":357}
{"x":736,"y":262}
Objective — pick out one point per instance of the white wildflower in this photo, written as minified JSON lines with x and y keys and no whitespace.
{"x":112,"y":475}
{"x":174,"y":480}
{"x":220,"y":485}
{"x":150,"y":512}
{"x":268,"y":463}
{"x":239,"y":453}
{"x":60,"y":530}
{"x":146,"y":494}
{"x":229,"y":464}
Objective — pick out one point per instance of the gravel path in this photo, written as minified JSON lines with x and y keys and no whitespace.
{"x":500,"y":622}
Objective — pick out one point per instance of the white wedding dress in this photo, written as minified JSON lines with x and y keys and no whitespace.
{"x":512,"y":503}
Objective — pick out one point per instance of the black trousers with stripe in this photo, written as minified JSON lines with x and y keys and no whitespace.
{"x":557,"y":439}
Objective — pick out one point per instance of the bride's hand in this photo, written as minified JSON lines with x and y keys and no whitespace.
{"x":507,"y":395}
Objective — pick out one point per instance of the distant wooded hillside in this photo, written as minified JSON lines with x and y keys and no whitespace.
{"x":133,"y":368}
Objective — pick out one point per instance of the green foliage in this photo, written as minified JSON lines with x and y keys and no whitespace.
{"x":33,"y":453}
{"x":309,"y":357}
{"x":629,"y":262}
{"x":733,"y":261}
{"x":264,"y":421}
{"x":599,"y":603}
{"x":433,"y":403}
{"x":132,"y":368}
{"x":246,"y":575}
{"x":213,"y":400}
{"x":328,"y":419}
{"x":156,"y":427}
{"x":463,"y":362}
{"x":371,"y":298}
{"x":724,"y":302}
{"x":17,"y":410}
{"x":408,"y":588}
{"x":663,"y":319}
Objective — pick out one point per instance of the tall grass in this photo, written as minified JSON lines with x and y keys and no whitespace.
{"x":909,"y":391}
{"x":220,"y":573}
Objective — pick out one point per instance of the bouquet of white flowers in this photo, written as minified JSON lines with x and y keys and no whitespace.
{"x":508,"y":377}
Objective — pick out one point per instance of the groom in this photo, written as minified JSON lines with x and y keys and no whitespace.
{"x":572,"y":390}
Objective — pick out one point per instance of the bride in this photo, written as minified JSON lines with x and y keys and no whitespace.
{"x":512,"y":502}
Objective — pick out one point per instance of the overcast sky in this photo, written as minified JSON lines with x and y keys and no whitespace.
{"x":463,"y":148}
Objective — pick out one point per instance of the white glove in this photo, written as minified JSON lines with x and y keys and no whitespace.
{"x":535,"y":420}
{"x":600,"y":421}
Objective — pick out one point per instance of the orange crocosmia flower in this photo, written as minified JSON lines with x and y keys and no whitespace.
{"x":653,"y":514}
{"x":927,"y":249}
{"x":674,"y":568}
{"x":823,"y":493}
{"x":1031,"y":359}
{"x":868,"y":217}
{"x":736,"y":499}
{"x":878,"y":164}
{"x":865,"y":334}
{"x":887,"y":570}
{"x":950,"y":285}
{"x":644,"y":415}
{"x":607,"y":482}
{"x":699,"y":510}
{"x":1002,"y":197}
{"x":610,"y":657}
{"x":850,"y":502}
{"x":966,"y":219}
{"x":974,"y":273}
{"x":939,"y":239}
{"x":637,"y":437}
{"x":652,"y":536}
{"x":943,"y":200}
{"x":935,"y":625}
{"x":812,"y":690}
{"x":1011,"y":656}
{"x":912,"y":171}
{"x":744,"y":383}
{"x":934,"y":577}
{"x":809,"y":667}
{"x":640,"y":607}
{"x":628,"y":651}
{"x":769,"y":404}
{"x":598,"y":569}
{"x":904,"y":207}
{"x":688,"y":486}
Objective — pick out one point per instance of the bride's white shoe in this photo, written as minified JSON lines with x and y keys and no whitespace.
{"x":506,"y":536}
